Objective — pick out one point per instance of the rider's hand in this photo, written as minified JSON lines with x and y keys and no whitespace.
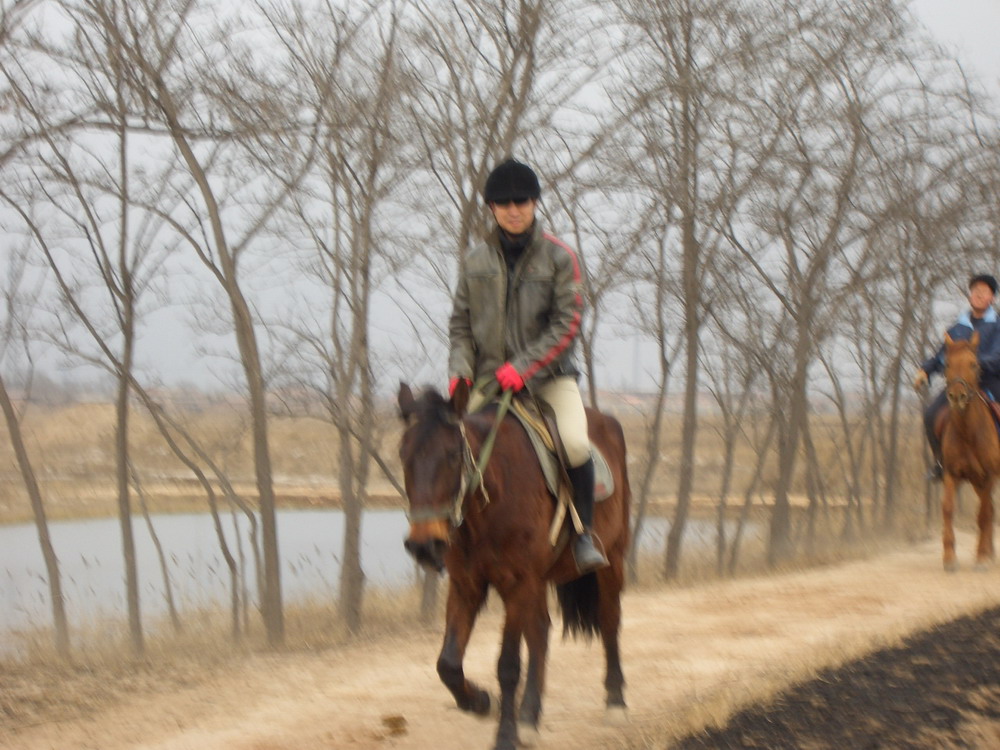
{"x":920,"y":380}
{"x":509,"y":378}
{"x":453,"y":384}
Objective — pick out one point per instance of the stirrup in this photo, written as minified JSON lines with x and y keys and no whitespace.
{"x":588,"y":558}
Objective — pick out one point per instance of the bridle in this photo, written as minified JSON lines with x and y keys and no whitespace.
{"x":471,"y":477}
{"x":968,"y":390}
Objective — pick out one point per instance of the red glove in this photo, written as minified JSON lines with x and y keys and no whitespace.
{"x":453,"y":384}
{"x":509,"y":378}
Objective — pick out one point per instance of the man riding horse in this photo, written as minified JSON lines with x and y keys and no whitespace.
{"x":981,"y":317}
{"x":516,"y":316}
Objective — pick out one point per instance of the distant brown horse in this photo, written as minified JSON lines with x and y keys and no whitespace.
{"x":500,"y":539}
{"x":970,"y":448}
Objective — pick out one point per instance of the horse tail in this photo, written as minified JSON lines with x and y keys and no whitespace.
{"x":578,"y":600}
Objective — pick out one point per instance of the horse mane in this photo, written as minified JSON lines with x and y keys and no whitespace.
{"x":432,"y":410}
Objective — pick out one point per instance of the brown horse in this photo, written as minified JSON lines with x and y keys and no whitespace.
{"x":970,"y":448}
{"x":499,"y":538}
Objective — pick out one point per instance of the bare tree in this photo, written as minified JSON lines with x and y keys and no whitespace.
{"x":352,"y":91}
{"x":651,"y":269}
{"x":81,"y":188}
{"x":14,"y":330}
{"x":807,"y":226}
{"x":732,"y":379}
{"x":689,"y":59}
{"x":18,"y":288}
{"x":220,"y":128}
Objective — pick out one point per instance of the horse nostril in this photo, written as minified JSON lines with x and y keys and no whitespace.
{"x":438,"y":547}
{"x":429,"y":554}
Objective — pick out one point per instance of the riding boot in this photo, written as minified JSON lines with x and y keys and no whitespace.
{"x":936,"y":471}
{"x":587,"y":556}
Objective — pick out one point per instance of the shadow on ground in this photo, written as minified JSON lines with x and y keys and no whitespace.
{"x":938,"y":690}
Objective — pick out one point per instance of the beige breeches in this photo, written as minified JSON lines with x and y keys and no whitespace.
{"x":563,"y":396}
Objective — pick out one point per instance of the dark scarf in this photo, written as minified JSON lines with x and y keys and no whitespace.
{"x":513,"y":246}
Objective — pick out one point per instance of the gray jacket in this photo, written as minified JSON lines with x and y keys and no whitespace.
{"x":531,"y":320}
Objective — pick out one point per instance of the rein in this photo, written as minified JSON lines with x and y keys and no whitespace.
{"x":472,"y":477}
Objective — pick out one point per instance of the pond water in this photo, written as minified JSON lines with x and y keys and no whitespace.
{"x":310,"y":545}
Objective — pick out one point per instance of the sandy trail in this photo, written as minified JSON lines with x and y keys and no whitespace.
{"x":689,"y":656}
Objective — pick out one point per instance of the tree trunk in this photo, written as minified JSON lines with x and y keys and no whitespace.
{"x":729,"y":454}
{"x":686,"y":478}
{"x":124,"y":499}
{"x":779,"y":547}
{"x":168,"y":591}
{"x":352,"y":575}
{"x":274,"y":616}
{"x":653,"y":437}
{"x":892,"y":449}
{"x":692,"y":302}
{"x":41,"y":523}
{"x":762,"y":451}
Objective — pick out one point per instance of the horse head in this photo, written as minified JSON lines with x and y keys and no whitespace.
{"x":961,"y":370}
{"x":432,"y":452}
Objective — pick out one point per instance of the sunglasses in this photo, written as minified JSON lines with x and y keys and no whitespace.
{"x":514,"y":201}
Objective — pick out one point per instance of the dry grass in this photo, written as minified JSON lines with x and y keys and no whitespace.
{"x":73,"y":454}
{"x":40,"y":687}
{"x":72,"y":449}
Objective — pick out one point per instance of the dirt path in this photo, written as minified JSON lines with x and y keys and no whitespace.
{"x":690,"y":658}
{"x":938,"y":690}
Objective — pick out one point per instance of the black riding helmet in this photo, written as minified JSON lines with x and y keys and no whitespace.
{"x":511,"y":181}
{"x":984,"y":278}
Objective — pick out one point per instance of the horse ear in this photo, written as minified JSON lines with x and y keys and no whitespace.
{"x":406,"y":402}
{"x":948,"y":341}
{"x":974,"y":339}
{"x":460,"y":398}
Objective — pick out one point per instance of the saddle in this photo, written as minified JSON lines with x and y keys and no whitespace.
{"x":994,"y":408}
{"x":540,"y":425}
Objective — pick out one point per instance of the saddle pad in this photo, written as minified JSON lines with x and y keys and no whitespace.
{"x":604,"y":483}
{"x":994,"y":409}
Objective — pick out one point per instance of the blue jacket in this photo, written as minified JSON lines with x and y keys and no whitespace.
{"x":988,"y":351}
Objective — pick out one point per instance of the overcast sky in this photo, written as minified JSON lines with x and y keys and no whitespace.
{"x":967,"y":28}
{"x":970,"y":29}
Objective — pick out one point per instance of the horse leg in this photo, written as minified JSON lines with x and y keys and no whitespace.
{"x":536,"y":636}
{"x":460,"y":617}
{"x":984,"y":552}
{"x":521,"y":606}
{"x":611,"y":580}
{"x":947,"y":517}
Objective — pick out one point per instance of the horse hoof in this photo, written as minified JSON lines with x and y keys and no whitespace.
{"x":528,"y":735}
{"x":983,"y":565}
{"x":616,"y":716}
{"x":484,"y":705}
{"x":950,"y":566}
